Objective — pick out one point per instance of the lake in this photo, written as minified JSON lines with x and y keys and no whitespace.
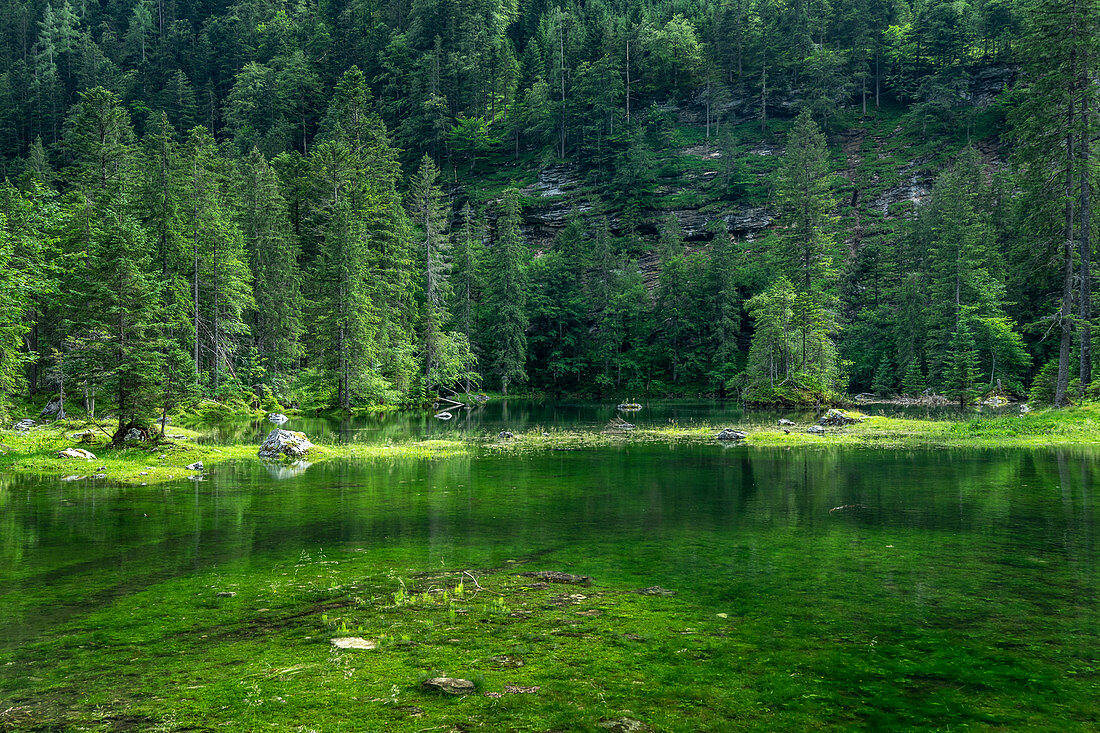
{"x":886,"y":590}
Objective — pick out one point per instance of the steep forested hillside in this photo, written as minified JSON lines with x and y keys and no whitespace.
{"x":345,"y":204}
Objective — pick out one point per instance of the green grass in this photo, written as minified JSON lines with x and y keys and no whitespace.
{"x":36,"y":452}
{"x":1041,"y":429}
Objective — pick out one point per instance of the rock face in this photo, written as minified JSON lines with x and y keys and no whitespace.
{"x":450,"y":685}
{"x":729,"y":434}
{"x":287,"y":443}
{"x":76,"y":453}
{"x":278,"y":418}
{"x":837,"y":418}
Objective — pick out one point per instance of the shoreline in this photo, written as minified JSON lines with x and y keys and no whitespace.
{"x":35,"y":452}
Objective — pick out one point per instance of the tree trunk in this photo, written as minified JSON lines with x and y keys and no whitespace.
{"x":1085,"y":297}
{"x":1065,"y":313}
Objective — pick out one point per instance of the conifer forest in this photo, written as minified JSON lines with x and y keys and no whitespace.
{"x":362,"y":203}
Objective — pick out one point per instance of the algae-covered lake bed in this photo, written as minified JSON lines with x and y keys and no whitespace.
{"x":744,"y":587}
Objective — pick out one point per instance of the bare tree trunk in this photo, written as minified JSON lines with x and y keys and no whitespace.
{"x":1065,"y":313}
{"x":628,"y":80}
{"x":1085,"y":297}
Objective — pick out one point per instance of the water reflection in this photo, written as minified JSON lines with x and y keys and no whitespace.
{"x":524,"y":415}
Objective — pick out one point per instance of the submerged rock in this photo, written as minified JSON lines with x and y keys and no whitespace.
{"x":730,"y":434}
{"x":555,"y":576}
{"x":76,"y":453}
{"x":623,"y":725}
{"x":450,"y":685}
{"x":655,"y":590}
{"x":288,"y":443}
{"x":354,"y":642}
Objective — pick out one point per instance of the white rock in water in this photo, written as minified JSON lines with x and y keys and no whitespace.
{"x":76,"y":453}
{"x":354,"y":642}
{"x":281,"y":442}
{"x":278,"y":418}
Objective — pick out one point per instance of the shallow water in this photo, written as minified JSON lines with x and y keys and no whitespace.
{"x":947,"y":571}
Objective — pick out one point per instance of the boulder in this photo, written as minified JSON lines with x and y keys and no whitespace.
{"x":815,"y":430}
{"x":25,"y":425}
{"x":278,"y":418}
{"x":785,"y":423}
{"x":76,"y":453}
{"x":197,"y":466}
{"x":55,"y":408}
{"x":505,"y":435}
{"x":450,"y":685}
{"x":730,"y":434}
{"x":135,"y":435}
{"x":86,"y":437}
{"x":279,"y":443}
{"x":837,"y":418}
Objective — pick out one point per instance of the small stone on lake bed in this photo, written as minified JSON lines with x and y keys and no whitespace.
{"x":354,"y":642}
{"x":450,"y":685}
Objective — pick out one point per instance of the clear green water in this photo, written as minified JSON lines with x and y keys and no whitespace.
{"x":964,"y":595}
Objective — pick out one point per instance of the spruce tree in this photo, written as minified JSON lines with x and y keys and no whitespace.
{"x":276,"y":322}
{"x":508,"y":297}
{"x":429,"y":211}
{"x":961,"y":373}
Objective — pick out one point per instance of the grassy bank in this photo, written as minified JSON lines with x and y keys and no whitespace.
{"x":36,"y":451}
{"x":1045,"y":428}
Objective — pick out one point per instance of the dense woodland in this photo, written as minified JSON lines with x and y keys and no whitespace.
{"x":342,"y":204}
